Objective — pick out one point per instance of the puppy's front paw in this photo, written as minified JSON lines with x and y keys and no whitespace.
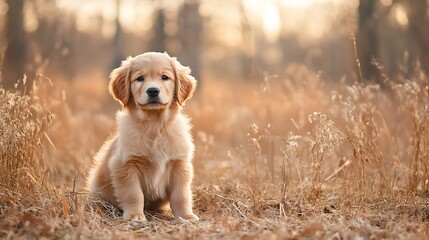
{"x":134,"y":216}
{"x":188,"y":217}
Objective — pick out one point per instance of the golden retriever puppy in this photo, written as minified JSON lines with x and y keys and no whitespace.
{"x":147,"y":164}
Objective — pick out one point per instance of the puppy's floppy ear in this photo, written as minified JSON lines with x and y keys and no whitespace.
{"x":185,"y":83}
{"x":119,"y":86}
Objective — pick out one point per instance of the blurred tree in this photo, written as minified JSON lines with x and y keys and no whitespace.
{"x":46,"y":48}
{"x":419,"y":30}
{"x":157,"y":43}
{"x":247,"y":51}
{"x":69,"y":52}
{"x":56,"y":52}
{"x":191,"y":27}
{"x":117,"y":55}
{"x":367,"y":39}
{"x":16,"y":51}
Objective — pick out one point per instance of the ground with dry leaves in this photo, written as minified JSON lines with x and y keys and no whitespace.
{"x":279,"y":159}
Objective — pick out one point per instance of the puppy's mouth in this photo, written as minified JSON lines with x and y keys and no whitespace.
{"x":153,"y":104}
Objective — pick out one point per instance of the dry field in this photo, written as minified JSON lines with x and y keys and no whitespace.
{"x":292,"y":158}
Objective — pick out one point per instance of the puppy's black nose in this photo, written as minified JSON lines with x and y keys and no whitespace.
{"x":152,"y":92}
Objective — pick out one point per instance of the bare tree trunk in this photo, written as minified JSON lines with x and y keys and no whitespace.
{"x":191,"y":25}
{"x":16,"y":52}
{"x":117,"y":55}
{"x":367,"y":39}
{"x":419,"y":30}
{"x":158,"y":41}
{"x":247,"y":51}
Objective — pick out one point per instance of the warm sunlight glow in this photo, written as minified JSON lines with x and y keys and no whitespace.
{"x":307,"y":19}
{"x":99,"y":15}
{"x":271,"y":22}
{"x":386,"y":3}
{"x":31,"y":23}
{"x":297,"y":3}
{"x":304,"y":3}
{"x":400,"y":15}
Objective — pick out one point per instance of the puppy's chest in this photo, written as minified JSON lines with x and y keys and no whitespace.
{"x":154,"y":176}
{"x":158,"y":150}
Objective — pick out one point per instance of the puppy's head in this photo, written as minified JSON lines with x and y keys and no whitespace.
{"x":151,"y":81}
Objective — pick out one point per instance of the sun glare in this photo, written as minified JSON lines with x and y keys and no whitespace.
{"x":297,"y":3}
{"x":400,"y":15}
{"x":273,"y":17}
{"x":271,"y":22}
{"x":304,"y":3}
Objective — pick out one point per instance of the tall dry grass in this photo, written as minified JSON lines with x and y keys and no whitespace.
{"x":292,"y":157}
{"x":24,"y":121}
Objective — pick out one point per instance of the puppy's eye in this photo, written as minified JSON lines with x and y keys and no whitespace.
{"x":140,"y":79}
{"x":164,"y":77}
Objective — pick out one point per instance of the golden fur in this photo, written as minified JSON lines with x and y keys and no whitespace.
{"x":148,"y":162}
